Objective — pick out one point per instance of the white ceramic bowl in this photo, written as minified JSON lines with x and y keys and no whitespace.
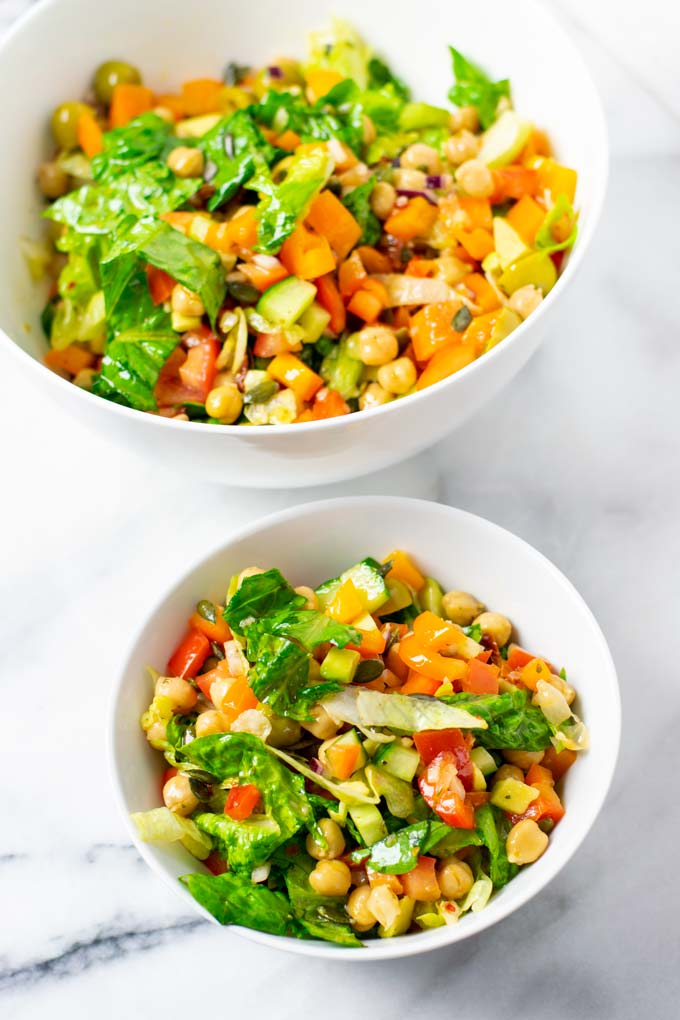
{"x":317,"y":541}
{"x":50,"y":57}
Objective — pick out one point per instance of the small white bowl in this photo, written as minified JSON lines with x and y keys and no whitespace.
{"x":317,"y":541}
{"x":50,"y":57}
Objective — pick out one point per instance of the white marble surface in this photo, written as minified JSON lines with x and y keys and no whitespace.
{"x":580,"y":456}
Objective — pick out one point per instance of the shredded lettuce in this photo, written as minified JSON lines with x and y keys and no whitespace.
{"x":358,"y":201}
{"x":473,"y":87}
{"x":544,"y":235}
{"x":131,"y":365}
{"x":512,"y":722}
{"x":340,"y":48}
{"x":234,"y":147}
{"x":234,"y":899}
{"x":403,"y":713}
{"x":282,"y":205}
{"x":140,"y":141}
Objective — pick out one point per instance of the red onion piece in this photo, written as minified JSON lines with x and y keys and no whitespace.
{"x":316,"y":766}
{"x":409,"y":193}
{"x":275,"y":72}
{"x":434,"y":181}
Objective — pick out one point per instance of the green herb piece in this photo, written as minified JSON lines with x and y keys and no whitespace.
{"x":474,"y":88}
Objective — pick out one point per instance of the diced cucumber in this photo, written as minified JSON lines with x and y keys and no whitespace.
{"x":327,"y":591}
{"x":484,"y":761}
{"x":400,"y":597}
{"x":537,"y":269}
{"x":400,"y":761}
{"x":416,"y":116}
{"x":503,"y":326}
{"x":513,"y":796}
{"x":397,"y":793}
{"x":314,"y":321}
{"x":342,"y":371}
{"x":431,"y":597}
{"x":369,"y":822}
{"x":340,"y":664}
{"x":367,"y":578}
{"x":505,"y":139}
{"x":402,"y":921}
{"x":286,"y":301}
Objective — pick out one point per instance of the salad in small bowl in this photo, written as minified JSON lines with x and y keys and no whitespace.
{"x":370,"y":758}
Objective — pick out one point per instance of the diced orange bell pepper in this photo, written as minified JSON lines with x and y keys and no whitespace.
{"x":204,"y":681}
{"x":201,"y":96}
{"x":557,"y":179}
{"x":478,"y":333}
{"x":128,"y":102}
{"x":289,"y":140}
{"x":264,"y":271}
{"x":481,"y":678}
{"x":291,"y":372}
{"x":404,"y":569}
{"x":377,"y":878}
{"x":343,"y":157}
{"x":173,"y":103}
{"x":526,"y":217}
{"x":444,"y":363}
{"x":421,"y":882}
{"x":484,"y":294}
{"x":374,"y":261}
{"x":415,"y":219}
{"x":306,"y":254}
{"x":396,"y":665}
{"x":513,"y":182}
{"x":539,"y":774}
{"x":329,"y":217}
{"x":421,"y":650}
{"x":477,"y":242}
{"x":161,"y":284}
{"x":533,"y":672}
{"x":70,"y":359}
{"x":538,"y":145}
{"x":558,"y":762}
{"x":478,"y":212}
{"x":321,"y":80}
{"x":218,"y":631}
{"x":240,"y":230}
{"x":546,"y":805}
{"x":417,"y":683}
{"x":346,"y":604}
{"x":342,"y":760}
{"x":179,"y":220}
{"x":519,"y":657}
{"x":328,"y":296}
{"x":242,"y":801}
{"x":351,"y":275}
{"x":90,"y":135}
{"x":365,"y":305}
{"x":239,"y":698}
{"x":328,"y":404}
{"x":432,"y":328}
{"x":419,"y":267}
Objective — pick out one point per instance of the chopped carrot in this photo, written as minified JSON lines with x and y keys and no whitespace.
{"x":291,"y":372}
{"x":432,"y":328}
{"x":525,"y":217}
{"x":306,"y":254}
{"x":374,"y":261}
{"x":320,"y":81}
{"x":201,"y":96}
{"x":351,"y":275}
{"x":90,"y":135}
{"x":70,"y":359}
{"x":328,"y":404}
{"x":128,"y":102}
{"x":485,"y":296}
{"x":289,"y":140}
{"x":264,"y":271}
{"x":415,"y":219}
{"x":328,"y":296}
{"x":477,"y":242}
{"x":329,"y":217}
{"x":365,"y":305}
{"x":445,"y":362}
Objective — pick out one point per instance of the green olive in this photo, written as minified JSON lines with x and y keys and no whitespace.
{"x":65,"y":124}
{"x":112,"y":73}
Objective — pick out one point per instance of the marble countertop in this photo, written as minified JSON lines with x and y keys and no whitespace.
{"x":590,"y":477}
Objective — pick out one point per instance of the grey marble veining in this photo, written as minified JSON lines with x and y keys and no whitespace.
{"x":580,"y":456}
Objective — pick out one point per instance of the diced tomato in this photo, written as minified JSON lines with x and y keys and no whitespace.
{"x":518,"y":657}
{"x":169,"y":389}
{"x":539,"y":774}
{"x":167,"y":775}
{"x":443,"y":790}
{"x":328,"y":404}
{"x":199,"y":370}
{"x":481,"y":678}
{"x":558,"y":761}
{"x":546,"y":805}
{"x":242,"y":801}
{"x":268,"y":345}
{"x":189,"y":655}
{"x":160,"y":284}
{"x":421,"y":883}
{"x":264,"y":271}
{"x":218,"y":631}
{"x":431,"y":743}
{"x":205,"y":680}
{"x":418,"y":684}
{"x":215,"y":863}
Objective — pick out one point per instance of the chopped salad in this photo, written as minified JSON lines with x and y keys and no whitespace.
{"x":365,"y":759}
{"x":292,"y":243}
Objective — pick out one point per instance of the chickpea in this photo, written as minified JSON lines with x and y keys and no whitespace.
{"x":219,"y":690}
{"x":377,"y":345}
{"x":383,"y":198}
{"x":464,"y":118}
{"x":410,"y":180}
{"x":475,"y":178}
{"x":361,"y":916}
{"x":524,"y":759}
{"x":397,"y":376}
{"x":461,"y":147}
{"x":369,"y":130}
{"x":334,"y":838}
{"x":53,"y":181}
{"x":323,"y":726}
{"x":508,"y":772}
{"x":331,"y":878}
{"x":178,"y":795}
{"x":156,"y":734}
{"x":461,"y":607}
{"x":225,"y":402}
{"x":525,"y":300}
{"x":455,"y":878}
{"x":310,"y":595}
{"x":525,"y":842}
{"x":184,"y":302}
{"x":179,"y":691}
{"x":495,"y":626}
{"x":373,"y":396}
{"x":355,"y":176}
{"x":186,"y":162}
{"x":421,"y":157}
{"x":210,"y":722}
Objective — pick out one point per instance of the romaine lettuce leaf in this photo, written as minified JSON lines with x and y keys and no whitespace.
{"x":138,"y":142}
{"x":322,"y":917}
{"x":512,"y":721}
{"x":280,"y":677}
{"x":128,"y":301}
{"x":404,"y":713}
{"x":323,"y":120}
{"x":474,"y":88}
{"x":282,"y":205}
{"x":358,"y":201}
{"x":493,"y":827}
{"x":232,"y":147}
{"x":130,"y":367}
{"x":246,"y":844}
{"x":340,"y":48}
{"x":398,"y":853}
{"x":380,"y":75}
{"x":234,"y":899}
{"x":307,"y":627}
{"x":258,"y":596}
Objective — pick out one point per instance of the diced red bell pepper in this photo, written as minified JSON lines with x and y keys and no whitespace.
{"x":215,"y":863}
{"x":161,"y":284}
{"x":167,"y":775}
{"x":205,"y":680}
{"x":268,"y":345}
{"x":558,"y":761}
{"x":443,"y":790}
{"x":169,"y":389}
{"x":199,"y":370}
{"x":546,"y":805}
{"x":328,"y":404}
{"x":481,"y":678}
{"x":242,"y":801}
{"x":421,"y":882}
{"x":431,"y":743}
{"x":190,"y":654}
{"x":218,"y":631}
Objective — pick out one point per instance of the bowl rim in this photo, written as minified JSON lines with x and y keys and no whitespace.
{"x":401,"y":945}
{"x":600,"y":169}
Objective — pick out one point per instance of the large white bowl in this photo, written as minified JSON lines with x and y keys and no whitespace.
{"x":317,"y":541}
{"x":50,"y":56}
